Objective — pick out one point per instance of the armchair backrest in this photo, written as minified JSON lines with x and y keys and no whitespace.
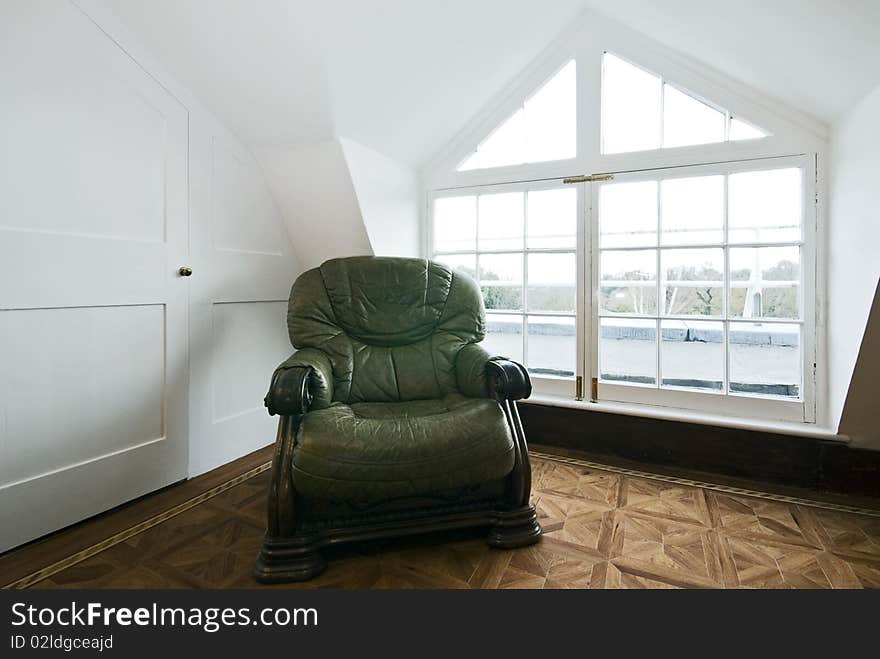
{"x":391,"y":327}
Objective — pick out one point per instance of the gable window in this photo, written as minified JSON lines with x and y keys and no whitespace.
{"x":680,"y":274}
{"x":542,"y":129}
{"x":643,"y":112}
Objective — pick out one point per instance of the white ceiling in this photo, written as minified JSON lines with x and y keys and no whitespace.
{"x":404,"y":76}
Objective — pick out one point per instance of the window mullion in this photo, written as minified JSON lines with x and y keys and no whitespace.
{"x":589,"y":335}
{"x":662,"y":117}
{"x":525,"y":279}
{"x":726,"y":294}
{"x":477,"y":243}
{"x":661,"y":299}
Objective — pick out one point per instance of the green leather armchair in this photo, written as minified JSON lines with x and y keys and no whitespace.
{"x":394,"y":420}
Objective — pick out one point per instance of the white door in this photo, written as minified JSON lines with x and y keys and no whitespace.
{"x":93,"y":315}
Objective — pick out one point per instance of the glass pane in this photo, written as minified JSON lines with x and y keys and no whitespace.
{"x":628,"y":350}
{"x":501,"y":221}
{"x":741,"y":130}
{"x":552,"y":282}
{"x":765,"y":359}
{"x":764,"y":282}
{"x":765,"y":206}
{"x":692,"y":354}
{"x":628,"y":214}
{"x":501,"y":278}
{"x":466,"y":263}
{"x":628,"y":281}
{"x":689,"y":121}
{"x":552,"y":344}
{"x":543,"y":129}
{"x":630,"y":107}
{"x":551,"y":118}
{"x":505,"y":146}
{"x":692,"y":210}
{"x":455,"y":223}
{"x":504,"y":336}
{"x":552,"y":218}
{"x":693,"y":281}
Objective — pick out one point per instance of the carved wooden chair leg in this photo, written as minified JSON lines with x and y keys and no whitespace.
{"x":518,"y":526}
{"x":286,"y":556}
{"x":289,"y":559}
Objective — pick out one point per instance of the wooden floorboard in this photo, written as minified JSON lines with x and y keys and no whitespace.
{"x":603,"y":528}
{"x":61,"y":544}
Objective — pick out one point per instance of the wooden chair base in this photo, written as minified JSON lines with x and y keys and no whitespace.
{"x":298,"y":558}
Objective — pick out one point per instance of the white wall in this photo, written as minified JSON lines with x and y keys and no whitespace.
{"x":388,"y":195}
{"x":317,"y":198}
{"x":859,"y":418}
{"x":853,"y":254}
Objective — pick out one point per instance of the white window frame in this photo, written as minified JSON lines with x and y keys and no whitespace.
{"x":792,"y":135}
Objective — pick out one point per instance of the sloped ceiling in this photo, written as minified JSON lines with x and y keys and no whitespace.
{"x":403,"y":76}
{"x":398,"y":76}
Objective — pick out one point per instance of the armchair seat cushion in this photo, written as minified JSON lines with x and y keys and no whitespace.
{"x":368,"y":452}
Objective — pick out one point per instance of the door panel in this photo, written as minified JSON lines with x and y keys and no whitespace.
{"x":243,"y":270}
{"x":236,"y":196}
{"x":93,"y":317}
{"x":239,"y":371}
{"x":82,"y":363}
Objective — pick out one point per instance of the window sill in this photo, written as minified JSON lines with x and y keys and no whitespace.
{"x":687,"y":416}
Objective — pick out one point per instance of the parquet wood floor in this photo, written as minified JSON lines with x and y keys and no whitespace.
{"x":602,"y":529}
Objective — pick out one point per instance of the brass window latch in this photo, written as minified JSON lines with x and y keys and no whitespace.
{"x":588,"y":178}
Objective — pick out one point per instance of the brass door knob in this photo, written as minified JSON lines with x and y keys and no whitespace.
{"x":185,"y":271}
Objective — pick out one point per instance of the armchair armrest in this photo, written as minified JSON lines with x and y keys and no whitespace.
{"x":289,"y":391}
{"x":303,"y":381}
{"x":480,"y":374}
{"x":508,"y":380}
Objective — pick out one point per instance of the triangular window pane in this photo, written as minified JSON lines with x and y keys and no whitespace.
{"x":544,"y":128}
{"x":742,"y":130}
{"x":642,"y":112}
{"x":631,"y":107}
{"x":689,"y":121}
{"x":505,"y":146}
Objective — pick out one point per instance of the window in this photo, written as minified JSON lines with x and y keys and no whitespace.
{"x":643,"y":112}
{"x":520,"y":244}
{"x":699,"y":281}
{"x":669,"y":259}
{"x":543,"y":129}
